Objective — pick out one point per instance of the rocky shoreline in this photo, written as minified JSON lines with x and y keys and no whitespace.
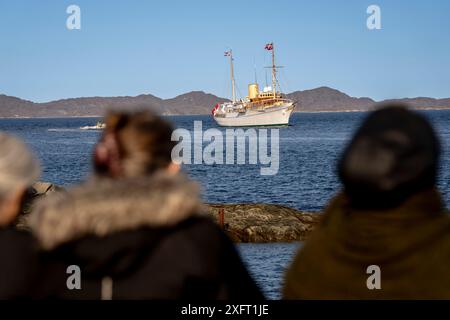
{"x":249,"y":222}
{"x":259,"y":223}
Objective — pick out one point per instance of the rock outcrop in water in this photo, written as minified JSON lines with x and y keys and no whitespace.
{"x":35,"y":192}
{"x":264,"y":222}
{"x":242,"y":222}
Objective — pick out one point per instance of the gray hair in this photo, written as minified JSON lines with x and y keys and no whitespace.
{"x":18,"y":166}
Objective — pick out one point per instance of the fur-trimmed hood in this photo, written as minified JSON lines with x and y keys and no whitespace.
{"x":104,"y":206}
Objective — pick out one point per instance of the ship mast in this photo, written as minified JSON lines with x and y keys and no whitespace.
{"x":274,"y":72}
{"x":271,"y":47}
{"x":233,"y":90}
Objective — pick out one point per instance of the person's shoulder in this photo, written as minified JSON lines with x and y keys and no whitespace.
{"x":200,"y":236}
{"x":18,"y":250}
{"x":200,"y":230}
{"x":13,"y":237}
{"x":200,"y":222}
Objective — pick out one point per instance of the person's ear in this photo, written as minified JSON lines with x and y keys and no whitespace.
{"x":173,"y":168}
{"x":10,"y":206}
{"x":106,"y":156}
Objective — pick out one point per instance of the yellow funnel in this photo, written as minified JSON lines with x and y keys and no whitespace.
{"x":253,"y":91}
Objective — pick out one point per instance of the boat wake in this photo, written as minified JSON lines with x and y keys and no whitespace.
{"x":95,"y":128}
{"x":91,"y":128}
{"x":63,"y":129}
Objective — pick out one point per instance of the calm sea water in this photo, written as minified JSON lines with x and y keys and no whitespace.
{"x":306,"y":178}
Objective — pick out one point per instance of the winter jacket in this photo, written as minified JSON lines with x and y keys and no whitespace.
{"x":139,"y":238}
{"x":18,"y":258}
{"x":397,"y":253}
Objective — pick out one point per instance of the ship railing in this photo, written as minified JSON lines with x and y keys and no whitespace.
{"x":268,"y":102}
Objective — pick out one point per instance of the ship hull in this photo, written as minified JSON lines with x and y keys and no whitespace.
{"x":278,"y":116}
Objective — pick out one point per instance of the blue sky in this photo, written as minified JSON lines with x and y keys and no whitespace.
{"x":170,"y":47}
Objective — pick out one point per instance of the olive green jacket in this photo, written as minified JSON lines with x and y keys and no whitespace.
{"x":410,"y":244}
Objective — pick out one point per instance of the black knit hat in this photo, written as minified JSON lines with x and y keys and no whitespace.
{"x":393,"y":155}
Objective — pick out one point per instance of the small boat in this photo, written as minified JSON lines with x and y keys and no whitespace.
{"x":266,"y":108}
{"x":98,"y":126}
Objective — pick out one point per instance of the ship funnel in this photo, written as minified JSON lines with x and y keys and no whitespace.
{"x":253,"y":90}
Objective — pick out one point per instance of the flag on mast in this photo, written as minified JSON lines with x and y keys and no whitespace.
{"x":269,"y":46}
{"x":227,"y":53}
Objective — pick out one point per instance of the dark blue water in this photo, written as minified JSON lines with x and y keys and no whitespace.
{"x":267,"y":263}
{"x":308,"y":152}
{"x":306,"y":178}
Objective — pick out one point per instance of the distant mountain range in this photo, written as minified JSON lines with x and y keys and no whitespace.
{"x":321,"y":99}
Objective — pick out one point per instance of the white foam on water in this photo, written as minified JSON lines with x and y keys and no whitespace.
{"x":90,"y":128}
{"x":62,"y":130}
{"x":73,"y":129}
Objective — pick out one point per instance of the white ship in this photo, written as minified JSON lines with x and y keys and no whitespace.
{"x":266,"y":108}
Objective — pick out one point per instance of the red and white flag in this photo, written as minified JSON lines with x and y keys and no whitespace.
{"x":269,"y":46}
{"x":214,"y":110}
{"x":227,"y":53}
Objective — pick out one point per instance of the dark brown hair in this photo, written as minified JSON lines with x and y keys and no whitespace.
{"x":133,"y":144}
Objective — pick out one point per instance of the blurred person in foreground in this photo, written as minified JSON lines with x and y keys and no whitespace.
{"x":18,"y":170}
{"x":136,"y":229}
{"x":389,"y":214}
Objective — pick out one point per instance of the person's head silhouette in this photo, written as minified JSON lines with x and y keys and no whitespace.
{"x":393,"y":155}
